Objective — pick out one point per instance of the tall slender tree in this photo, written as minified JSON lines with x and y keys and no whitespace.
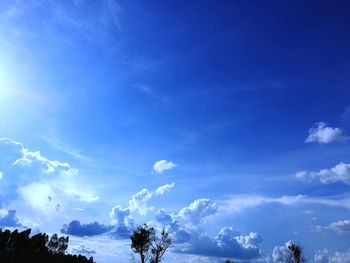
{"x":159,"y":246}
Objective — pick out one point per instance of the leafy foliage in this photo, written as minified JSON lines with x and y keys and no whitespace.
{"x":149,"y":246}
{"x":19,"y":247}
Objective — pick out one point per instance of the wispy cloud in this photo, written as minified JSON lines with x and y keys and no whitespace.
{"x":237,"y":204}
{"x":338,"y":173}
{"x":85,"y":17}
{"x":57,"y":144}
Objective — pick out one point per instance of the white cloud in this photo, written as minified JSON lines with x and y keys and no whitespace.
{"x":197,"y":211}
{"x":338,"y":173}
{"x":1,"y":175}
{"x":228,"y":243}
{"x":188,"y":236}
{"x":30,"y":163}
{"x":34,"y":181}
{"x":120,"y":216}
{"x":164,"y":188}
{"x":321,"y":133}
{"x":139,"y":201}
{"x":342,"y":227}
{"x":324,"y":256}
{"x":162,"y":166}
{"x":41,"y":196}
{"x":280,"y":253}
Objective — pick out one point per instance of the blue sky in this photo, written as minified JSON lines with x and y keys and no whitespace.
{"x":227,"y":122}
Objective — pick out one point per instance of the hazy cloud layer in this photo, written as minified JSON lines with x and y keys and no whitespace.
{"x":324,"y":256}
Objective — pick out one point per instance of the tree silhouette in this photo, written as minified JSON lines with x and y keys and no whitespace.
{"x":141,"y":239}
{"x":149,"y":246}
{"x":19,"y":247}
{"x":58,"y":244}
{"x":294,"y":253}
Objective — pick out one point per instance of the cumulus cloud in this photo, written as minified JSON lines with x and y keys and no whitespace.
{"x":197,"y":211}
{"x":122,"y":222}
{"x":322,"y":133}
{"x":280,"y":253}
{"x":176,"y":230}
{"x":8,"y":218}
{"x":139,"y":201}
{"x":77,"y":229}
{"x":122,"y":218}
{"x":29,"y":178}
{"x":324,"y":256}
{"x":228,"y":243}
{"x":338,"y":173}
{"x":184,"y":228}
{"x":163,"y":165}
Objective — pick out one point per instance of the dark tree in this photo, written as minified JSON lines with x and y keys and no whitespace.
{"x":141,"y":239}
{"x":19,"y":247}
{"x":294,"y":253}
{"x":159,"y":246}
{"x":149,"y":246}
{"x":58,"y":244}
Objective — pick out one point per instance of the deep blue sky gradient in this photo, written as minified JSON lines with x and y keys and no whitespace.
{"x":227,"y":90}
